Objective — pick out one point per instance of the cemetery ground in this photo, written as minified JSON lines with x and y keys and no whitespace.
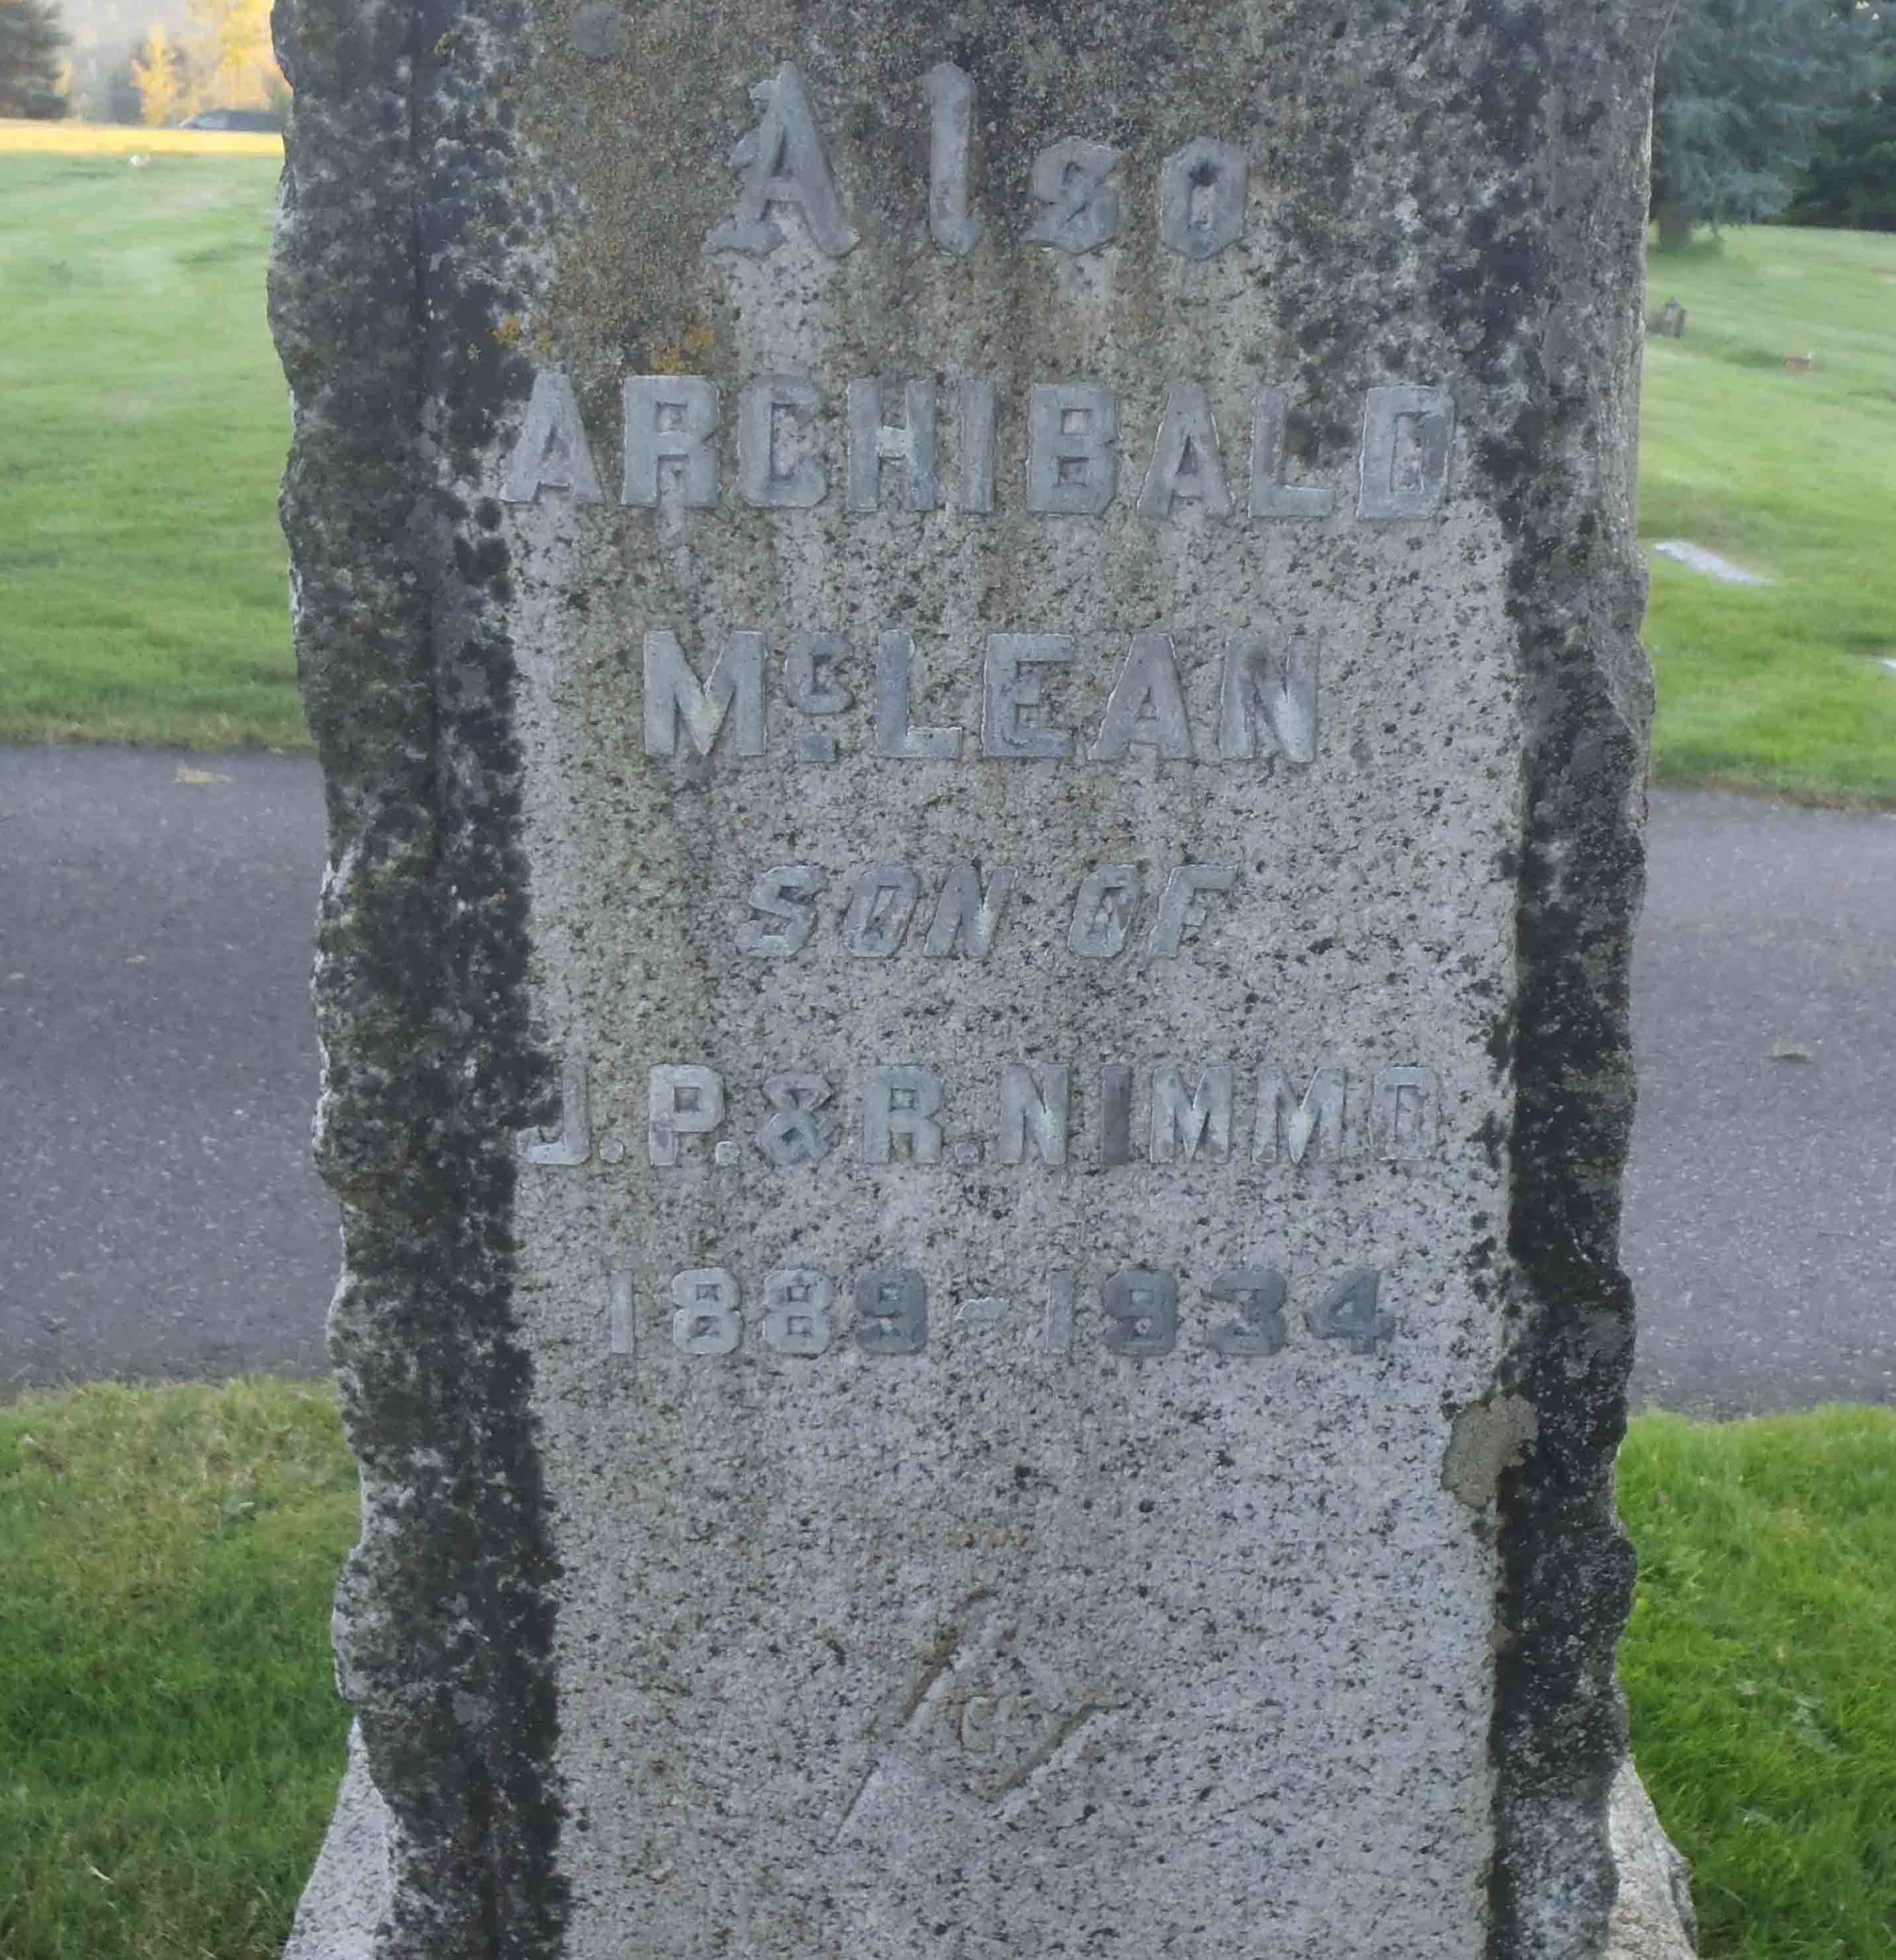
{"x":146,"y":416}
{"x":167,"y":1553}
{"x":142,"y":574}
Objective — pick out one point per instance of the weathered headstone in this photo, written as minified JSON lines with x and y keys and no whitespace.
{"x":1668,"y":323}
{"x":979,"y":676}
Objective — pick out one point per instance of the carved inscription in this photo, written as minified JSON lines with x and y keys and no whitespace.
{"x":900,"y":458}
{"x":789,"y":450}
{"x":798,"y":1313}
{"x":882,"y":900}
{"x":884,"y":904}
{"x":951,"y":109}
{"x":1189,"y":1112}
{"x":1072,"y":181}
{"x":1267,"y":700}
{"x":782,"y":163}
{"x":1200,"y":194}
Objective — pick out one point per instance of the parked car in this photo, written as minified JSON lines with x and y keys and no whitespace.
{"x":232,"y":119}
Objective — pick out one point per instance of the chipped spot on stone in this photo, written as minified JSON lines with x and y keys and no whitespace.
{"x":1485,"y":1438}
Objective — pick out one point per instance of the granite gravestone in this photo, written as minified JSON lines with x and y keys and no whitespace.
{"x":979,"y":680}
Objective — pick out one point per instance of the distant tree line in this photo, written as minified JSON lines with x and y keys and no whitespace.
{"x":1770,"y":109}
{"x":226,"y":62}
{"x":223,"y":60}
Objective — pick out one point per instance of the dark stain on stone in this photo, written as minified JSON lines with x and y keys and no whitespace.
{"x":1558,"y":1729}
{"x":420,"y":990}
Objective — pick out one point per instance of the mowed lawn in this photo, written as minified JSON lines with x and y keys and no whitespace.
{"x":143,"y":577}
{"x":1792,"y":474}
{"x":142,"y":589}
{"x":172,"y":1737}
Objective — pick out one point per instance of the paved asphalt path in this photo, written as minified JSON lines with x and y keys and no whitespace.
{"x":159,"y":1215}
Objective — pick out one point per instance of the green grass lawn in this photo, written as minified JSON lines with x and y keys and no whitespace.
{"x":1759,"y":1666}
{"x":143,"y":592}
{"x":172,"y":1739}
{"x":170,"y":1736}
{"x":1791,"y":475}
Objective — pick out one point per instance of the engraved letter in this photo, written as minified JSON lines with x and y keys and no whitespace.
{"x":705,"y":1315}
{"x":901,"y":1101}
{"x":880,"y":910}
{"x":1293,"y":1125}
{"x":680,"y":1101}
{"x":1072,"y":466}
{"x":964,"y":908}
{"x":1147,"y":704}
{"x":1186,"y":460}
{"x":1180,"y":1123}
{"x":1406,"y":435}
{"x":1115,"y":1113}
{"x":892,"y":1311}
{"x":1070,"y":179}
{"x":760,"y":483}
{"x":1102,"y":913}
{"x":1175,"y":904}
{"x":1059,"y":1328}
{"x":1282,"y":692}
{"x":794,"y":1134}
{"x":873,"y":442}
{"x":670,"y":418}
{"x":809,"y":688}
{"x":620,"y":1318}
{"x":778,"y":893}
{"x":782,"y":162}
{"x":951,"y":103}
{"x":1008,"y":691}
{"x":1347,"y":1312}
{"x":1033,"y":1102}
{"x":1404,"y":1106}
{"x":1258,"y":1329}
{"x":552,"y":449}
{"x":978,"y":445}
{"x":673,"y":695}
{"x":1201,"y":194}
{"x":894,"y":737}
{"x":575,"y":1143}
{"x":1270,"y":496}
{"x":1142,"y":1312}
{"x":796,"y":1310}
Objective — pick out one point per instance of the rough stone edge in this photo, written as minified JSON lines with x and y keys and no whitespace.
{"x":396,"y":201}
{"x":347,"y":1895}
{"x":1554,"y":311}
{"x":1652,"y":1916}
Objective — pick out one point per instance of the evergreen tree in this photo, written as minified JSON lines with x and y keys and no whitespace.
{"x":32,"y":45}
{"x":1742,"y":87}
{"x":1851,"y":178}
